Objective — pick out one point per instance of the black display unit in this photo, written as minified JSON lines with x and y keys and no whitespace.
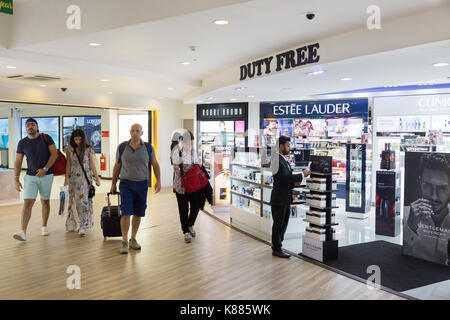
{"x":357,"y":179}
{"x":387,"y":204}
{"x":313,"y":247}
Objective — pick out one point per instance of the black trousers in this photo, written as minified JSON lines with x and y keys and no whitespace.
{"x":187,"y":215}
{"x":280,"y":216}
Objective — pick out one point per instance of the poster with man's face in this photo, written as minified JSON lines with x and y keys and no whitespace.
{"x":426,"y":226}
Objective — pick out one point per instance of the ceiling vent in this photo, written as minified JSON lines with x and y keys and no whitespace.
{"x":33,"y":78}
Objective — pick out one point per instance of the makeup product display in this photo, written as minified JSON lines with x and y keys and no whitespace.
{"x":251,"y":188}
{"x":319,"y":241}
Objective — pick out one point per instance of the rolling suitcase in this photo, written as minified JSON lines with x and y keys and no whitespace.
{"x":110,"y":219}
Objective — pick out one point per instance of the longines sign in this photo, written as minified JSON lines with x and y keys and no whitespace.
{"x":282,"y":61}
{"x":6,"y":6}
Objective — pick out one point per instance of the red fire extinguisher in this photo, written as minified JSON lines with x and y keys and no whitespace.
{"x":103,"y":163}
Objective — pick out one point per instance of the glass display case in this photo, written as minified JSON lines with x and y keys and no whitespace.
{"x":359,"y":169}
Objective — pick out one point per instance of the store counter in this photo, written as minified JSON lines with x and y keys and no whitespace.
{"x":8,"y":192}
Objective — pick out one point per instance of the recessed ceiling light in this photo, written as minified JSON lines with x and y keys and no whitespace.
{"x":200,"y":101}
{"x":10,"y":67}
{"x":250,"y":97}
{"x":43,"y":85}
{"x":109,"y":92}
{"x":440,"y":64}
{"x":346,"y":79}
{"x":240,"y":88}
{"x":232,"y":99}
{"x":221,"y":22}
{"x":161,"y":97}
{"x":104,"y":80}
{"x":95,"y":44}
{"x":185,"y":63}
{"x":287,"y":88}
{"x":210,"y":98}
{"x":314,"y":73}
{"x":169,"y":88}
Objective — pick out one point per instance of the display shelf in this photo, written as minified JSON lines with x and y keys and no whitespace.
{"x":321,"y":174}
{"x":244,"y":196}
{"x":245,"y":165}
{"x":321,"y":225}
{"x":246,"y":181}
{"x":325,"y":248}
{"x":323,"y":191}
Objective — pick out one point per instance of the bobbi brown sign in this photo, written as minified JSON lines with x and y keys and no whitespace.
{"x":282,"y":61}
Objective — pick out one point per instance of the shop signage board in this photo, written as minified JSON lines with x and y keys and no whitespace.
{"x":426,"y":217}
{"x":283,"y":61}
{"x":6,"y":6}
{"x":345,"y":108}
{"x":424,"y":105}
{"x":228,"y":111}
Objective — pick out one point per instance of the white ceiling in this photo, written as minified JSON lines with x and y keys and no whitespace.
{"x":144,"y":59}
{"x":399,"y":67}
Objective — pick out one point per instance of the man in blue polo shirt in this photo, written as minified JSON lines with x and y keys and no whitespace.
{"x":133,"y":162}
{"x":41,"y":154}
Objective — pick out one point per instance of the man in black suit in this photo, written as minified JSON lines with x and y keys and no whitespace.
{"x":280,"y":200}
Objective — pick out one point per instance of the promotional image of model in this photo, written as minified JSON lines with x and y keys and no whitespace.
{"x":426,"y":215}
{"x":281,"y":197}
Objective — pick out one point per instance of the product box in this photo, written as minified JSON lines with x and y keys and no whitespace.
{"x":316,"y":200}
{"x":318,"y":184}
{"x":316,"y":233}
{"x":319,"y":217}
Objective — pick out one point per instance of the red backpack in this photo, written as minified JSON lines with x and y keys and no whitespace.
{"x":59,"y":167}
{"x":194,"y":179}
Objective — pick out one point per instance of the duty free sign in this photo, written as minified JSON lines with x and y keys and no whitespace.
{"x":6,"y":6}
{"x":282,"y":61}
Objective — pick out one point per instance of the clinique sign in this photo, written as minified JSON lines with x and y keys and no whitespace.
{"x":286,"y":60}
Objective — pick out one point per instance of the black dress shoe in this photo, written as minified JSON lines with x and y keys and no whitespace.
{"x":281,"y":254}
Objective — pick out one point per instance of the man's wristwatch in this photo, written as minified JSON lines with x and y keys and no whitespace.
{"x":45,"y":169}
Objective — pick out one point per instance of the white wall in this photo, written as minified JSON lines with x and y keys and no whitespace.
{"x":169,"y":120}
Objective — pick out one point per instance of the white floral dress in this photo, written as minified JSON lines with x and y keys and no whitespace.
{"x":80,"y":206}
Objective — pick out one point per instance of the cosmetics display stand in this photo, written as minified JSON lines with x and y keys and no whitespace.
{"x":319,"y":241}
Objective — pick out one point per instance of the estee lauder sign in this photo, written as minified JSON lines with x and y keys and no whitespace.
{"x":6,"y":6}
{"x":286,"y":60}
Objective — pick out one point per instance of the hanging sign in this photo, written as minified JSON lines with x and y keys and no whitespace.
{"x":282,"y":61}
{"x":6,"y":6}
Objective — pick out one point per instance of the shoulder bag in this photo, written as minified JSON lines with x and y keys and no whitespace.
{"x":91,"y":193}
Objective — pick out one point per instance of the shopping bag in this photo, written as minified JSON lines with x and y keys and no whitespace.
{"x":63,"y":201}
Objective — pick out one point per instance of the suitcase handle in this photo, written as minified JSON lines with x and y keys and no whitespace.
{"x":109,"y":203}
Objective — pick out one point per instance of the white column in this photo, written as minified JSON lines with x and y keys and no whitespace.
{"x":14,"y":133}
{"x":109,"y":144}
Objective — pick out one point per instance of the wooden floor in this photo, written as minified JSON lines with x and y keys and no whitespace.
{"x":220,"y":263}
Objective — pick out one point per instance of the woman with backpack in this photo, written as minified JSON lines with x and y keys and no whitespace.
{"x":183,"y":159}
{"x":80,"y":171}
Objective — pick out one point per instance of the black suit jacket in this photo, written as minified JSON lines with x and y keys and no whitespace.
{"x":283,"y":182}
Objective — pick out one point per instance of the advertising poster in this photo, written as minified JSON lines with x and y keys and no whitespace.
{"x":3,"y":133}
{"x":127,"y":120}
{"x":91,"y":125}
{"x":345,"y":127}
{"x":426,"y":220}
{"x":278,"y":127}
{"x":222,"y":182}
{"x":385,"y":203}
{"x":309,"y":128}
{"x":239,"y":126}
{"x":47,"y":125}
